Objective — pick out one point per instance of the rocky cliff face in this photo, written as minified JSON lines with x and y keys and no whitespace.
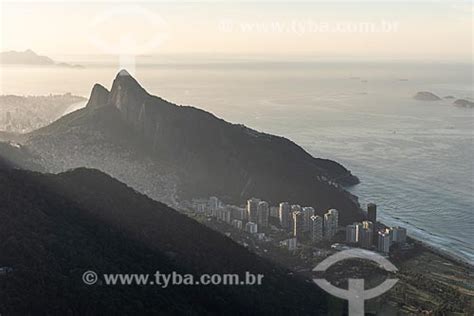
{"x":211,"y":156}
{"x":99,"y":97}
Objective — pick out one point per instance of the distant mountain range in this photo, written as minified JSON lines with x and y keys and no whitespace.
{"x":174,"y":152}
{"x":53,"y":228}
{"x":29,"y":57}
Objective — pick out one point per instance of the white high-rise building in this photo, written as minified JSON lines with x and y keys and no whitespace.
{"x":263,"y":212}
{"x":224,"y":215}
{"x":384,"y":241}
{"x":237,"y":223}
{"x":366,"y":237}
{"x":274,"y":211}
{"x":335,"y":214}
{"x":307,"y":213}
{"x":201,"y":207}
{"x":294,"y":208}
{"x":292,"y":244}
{"x":359,"y":228}
{"x":285,"y":215}
{"x":298,"y":224}
{"x":316,"y":228}
{"x":351,"y":233}
{"x":251,"y":227}
{"x":331,"y":222}
{"x":368,"y":225}
{"x":213,"y":204}
{"x":237,"y":213}
{"x":399,"y":234}
{"x":252,"y":210}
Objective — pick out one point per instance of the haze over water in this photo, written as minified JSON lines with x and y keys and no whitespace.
{"x":414,"y":158}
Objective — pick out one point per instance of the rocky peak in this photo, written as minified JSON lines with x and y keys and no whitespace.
{"x":99,"y":97}
{"x":128,"y":97}
{"x":125,"y":89}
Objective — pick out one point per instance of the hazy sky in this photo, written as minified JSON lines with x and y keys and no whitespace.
{"x":350,"y":29}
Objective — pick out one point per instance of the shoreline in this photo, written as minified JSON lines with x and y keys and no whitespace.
{"x":444,"y":254}
{"x":440,"y":252}
{"x":418,"y":240}
{"x":437,"y":251}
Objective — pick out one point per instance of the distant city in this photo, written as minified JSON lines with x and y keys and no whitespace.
{"x":302,"y":226}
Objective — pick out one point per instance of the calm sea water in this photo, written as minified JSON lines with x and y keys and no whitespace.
{"x":414,"y":158}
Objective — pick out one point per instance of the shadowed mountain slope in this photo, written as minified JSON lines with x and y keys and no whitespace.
{"x":56,"y":227}
{"x":14,"y":155}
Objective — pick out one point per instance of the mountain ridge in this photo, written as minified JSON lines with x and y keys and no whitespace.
{"x":207,"y":155}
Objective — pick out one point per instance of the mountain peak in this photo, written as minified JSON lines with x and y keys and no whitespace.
{"x":123,"y":72}
{"x":127,"y":95}
{"x":99,"y":96}
{"x":125,"y":83}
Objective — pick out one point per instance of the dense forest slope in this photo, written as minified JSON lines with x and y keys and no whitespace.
{"x":14,"y":155}
{"x":55,"y":227}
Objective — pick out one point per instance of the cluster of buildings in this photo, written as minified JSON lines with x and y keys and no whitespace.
{"x":371,"y":234}
{"x":23,"y":114}
{"x":300,"y":222}
{"x":254,"y":218}
{"x":303,"y":223}
{"x":233,"y":215}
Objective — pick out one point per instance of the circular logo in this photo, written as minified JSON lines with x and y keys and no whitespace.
{"x":127,"y":43}
{"x":89,"y":277}
{"x":356,"y":293}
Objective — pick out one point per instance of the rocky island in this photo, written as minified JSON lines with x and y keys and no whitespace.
{"x":426,"y":96}
{"x":463,"y":103}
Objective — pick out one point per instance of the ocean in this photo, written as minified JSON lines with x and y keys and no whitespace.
{"x":414,"y":158}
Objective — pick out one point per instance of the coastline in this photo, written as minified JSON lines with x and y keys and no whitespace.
{"x":436,"y":249}
{"x":420,"y":236}
{"x":444,"y":254}
{"x":450,"y":256}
